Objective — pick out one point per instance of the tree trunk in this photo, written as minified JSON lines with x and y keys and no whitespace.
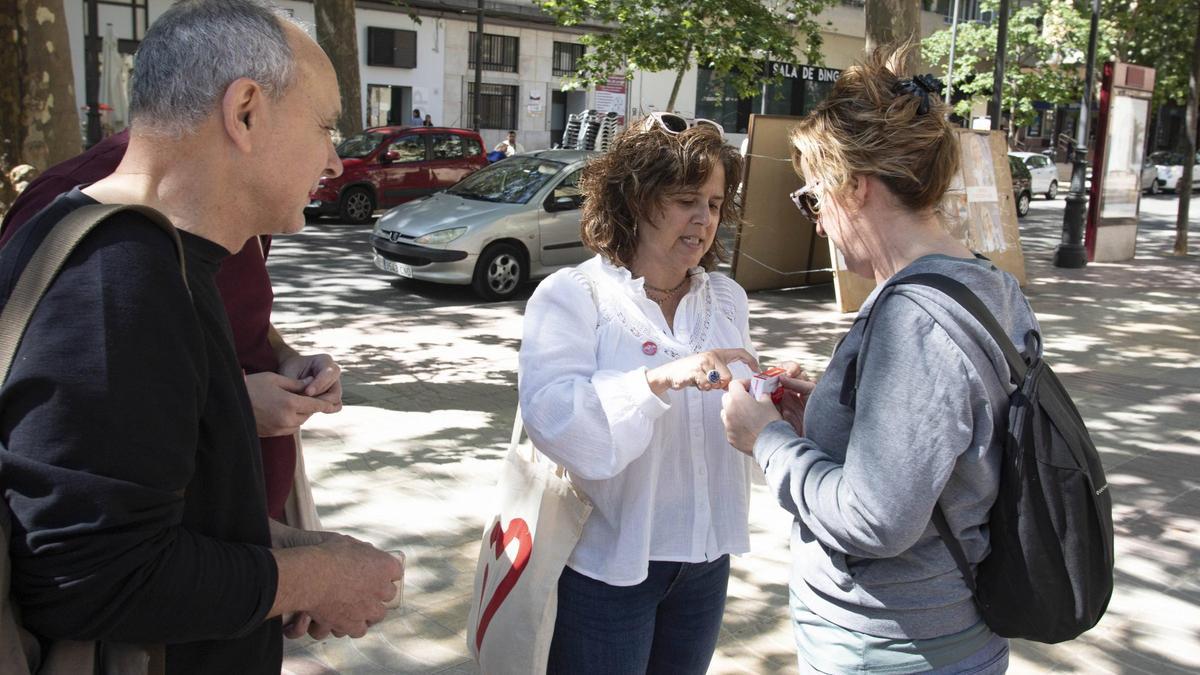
{"x":337,"y":33}
{"x":1185,"y":181}
{"x":894,"y":22}
{"x":1012,"y":126}
{"x":50,"y":120}
{"x":687,"y":61}
{"x":12,"y":132}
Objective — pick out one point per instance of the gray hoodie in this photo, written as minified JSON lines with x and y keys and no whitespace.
{"x":927,"y":427}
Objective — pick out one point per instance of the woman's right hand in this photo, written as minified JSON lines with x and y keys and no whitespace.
{"x":692,"y":371}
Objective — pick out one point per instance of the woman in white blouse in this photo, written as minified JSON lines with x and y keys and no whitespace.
{"x":621,"y":368}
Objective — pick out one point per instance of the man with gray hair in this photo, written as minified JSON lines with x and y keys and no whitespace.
{"x":129,"y":458}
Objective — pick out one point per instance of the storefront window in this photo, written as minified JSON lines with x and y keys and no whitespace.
{"x":802,"y":88}
{"x":718,"y":102}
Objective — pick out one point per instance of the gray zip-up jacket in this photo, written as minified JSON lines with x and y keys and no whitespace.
{"x":927,"y":427}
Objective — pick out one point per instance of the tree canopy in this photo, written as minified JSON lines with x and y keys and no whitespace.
{"x":1159,"y":34}
{"x":1047,"y":50}
{"x":733,"y":37}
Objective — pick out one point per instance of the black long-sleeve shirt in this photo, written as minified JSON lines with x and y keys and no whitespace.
{"x":130,"y":458}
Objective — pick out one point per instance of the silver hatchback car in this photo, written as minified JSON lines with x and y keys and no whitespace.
{"x":507,"y":223}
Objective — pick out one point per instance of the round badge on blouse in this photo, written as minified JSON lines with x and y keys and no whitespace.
{"x":649,"y":348}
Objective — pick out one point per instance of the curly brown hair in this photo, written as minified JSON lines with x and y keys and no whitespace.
{"x":870,"y":124}
{"x":626,"y":186}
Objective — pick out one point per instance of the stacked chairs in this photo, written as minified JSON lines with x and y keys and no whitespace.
{"x":608,"y":131}
{"x":590,"y":130}
{"x":571,"y":134}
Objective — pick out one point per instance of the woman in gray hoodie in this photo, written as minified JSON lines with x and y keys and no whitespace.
{"x":874,"y":589}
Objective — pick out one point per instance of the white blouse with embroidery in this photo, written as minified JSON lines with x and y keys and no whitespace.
{"x":664,"y":482}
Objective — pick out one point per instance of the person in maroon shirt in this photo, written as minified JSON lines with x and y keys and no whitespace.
{"x":286,"y":388}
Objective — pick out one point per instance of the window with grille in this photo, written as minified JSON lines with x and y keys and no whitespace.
{"x":499,"y":52}
{"x":391,"y":48}
{"x":566,"y":58}
{"x":498,"y":106}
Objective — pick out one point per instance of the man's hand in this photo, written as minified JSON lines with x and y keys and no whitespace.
{"x":745,"y":417}
{"x":286,"y":536}
{"x":321,"y":375}
{"x":338,"y":588}
{"x":280,"y":406}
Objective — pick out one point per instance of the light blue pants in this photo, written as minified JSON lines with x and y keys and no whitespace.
{"x":824,"y":647}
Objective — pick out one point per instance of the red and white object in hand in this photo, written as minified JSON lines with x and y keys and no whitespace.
{"x":767,"y":383}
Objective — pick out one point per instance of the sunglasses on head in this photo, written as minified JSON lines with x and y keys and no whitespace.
{"x":677,"y":124}
{"x":805,"y":199}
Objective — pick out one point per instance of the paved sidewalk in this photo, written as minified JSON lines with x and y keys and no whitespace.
{"x":431,"y":389}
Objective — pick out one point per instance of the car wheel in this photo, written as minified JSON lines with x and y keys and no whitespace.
{"x":1053,"y":191}
{"x":499,"y":272}
{"x":1023,"y":204}
{"x":357,"y":205}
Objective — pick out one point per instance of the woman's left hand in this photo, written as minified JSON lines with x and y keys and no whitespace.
{"x":744,"y":417}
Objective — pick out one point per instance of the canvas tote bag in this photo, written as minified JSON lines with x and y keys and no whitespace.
{"x":300,"y":509}
{"x":528,"y":537}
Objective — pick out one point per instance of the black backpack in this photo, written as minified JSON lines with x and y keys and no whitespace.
{"x":1049,"y":575}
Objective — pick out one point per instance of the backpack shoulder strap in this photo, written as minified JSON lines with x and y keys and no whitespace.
{"x":954,"y":546}
{"x":966,"y":298}
{"x":47,"y":262}
{"x":958,"y":292}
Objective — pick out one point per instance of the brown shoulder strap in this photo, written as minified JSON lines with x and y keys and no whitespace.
{"x":48,"y":260}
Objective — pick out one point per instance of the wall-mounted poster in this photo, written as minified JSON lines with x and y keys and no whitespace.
{"x":610,"y":97}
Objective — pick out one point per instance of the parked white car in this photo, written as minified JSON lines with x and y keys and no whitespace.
{"x":1170,"y":169}
{"x":1043,"y":171}
{"x":1150,"y":178}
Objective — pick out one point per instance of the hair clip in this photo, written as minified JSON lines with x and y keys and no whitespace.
{"x":922,"y":86}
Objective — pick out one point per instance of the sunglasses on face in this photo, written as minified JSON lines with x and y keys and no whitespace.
{"x":805,"y":199}
{"x":677,"y":124}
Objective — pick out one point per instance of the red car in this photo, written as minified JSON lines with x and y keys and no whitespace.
{"x":386,"y":166}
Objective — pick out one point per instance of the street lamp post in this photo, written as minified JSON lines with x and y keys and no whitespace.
{"x":953,"y":41}
{"x":478,"y":99}
{"x":1071,"y":252}
{"x":1001,"y":53}
{"x":91,"y":78}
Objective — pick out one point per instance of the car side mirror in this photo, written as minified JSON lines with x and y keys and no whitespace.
{"x":562,"y":203}
{"x":389,"y":157}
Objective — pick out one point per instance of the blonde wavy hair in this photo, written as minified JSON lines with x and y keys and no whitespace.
{"x":877,"y":122}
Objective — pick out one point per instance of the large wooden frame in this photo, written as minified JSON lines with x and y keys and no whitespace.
{"x":778,"y":247}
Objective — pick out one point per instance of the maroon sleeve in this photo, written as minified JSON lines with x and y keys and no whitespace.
{"x":99,"y":161}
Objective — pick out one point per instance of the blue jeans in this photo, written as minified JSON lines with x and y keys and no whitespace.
{"x":669,"y":623}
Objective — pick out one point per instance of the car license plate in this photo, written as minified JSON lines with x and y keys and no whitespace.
{"x":393,"y":266}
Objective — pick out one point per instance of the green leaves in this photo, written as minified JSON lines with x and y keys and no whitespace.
{"x":1047,"y":41}
{"x":1047,"y":48}
{"x":1158,"y":34}
{"x":733,"y":37}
